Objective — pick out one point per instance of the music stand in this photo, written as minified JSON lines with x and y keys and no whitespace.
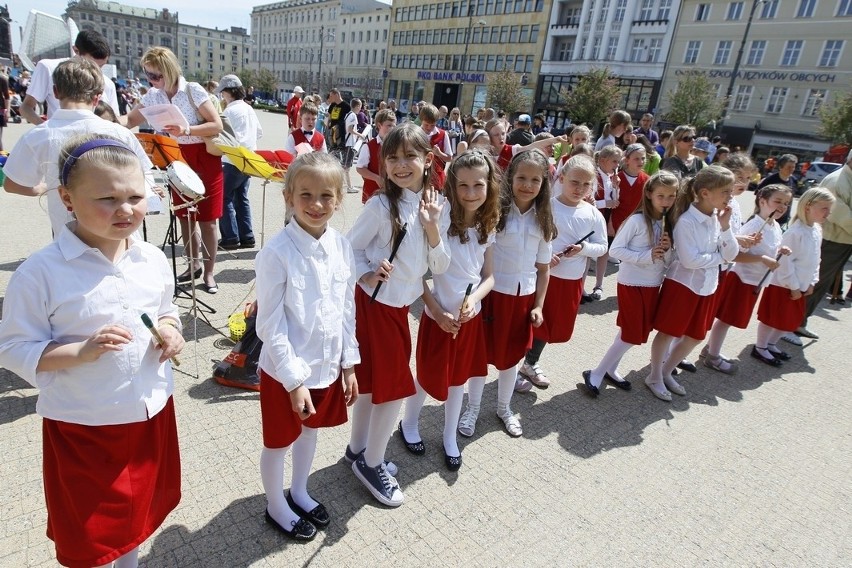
{"x":254,"y":165}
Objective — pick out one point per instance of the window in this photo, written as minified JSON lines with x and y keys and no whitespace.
{"x":813,"y":101}
{"x":611,"y":49}
{"x":655,"y":49}
{"x":792,"y":51}
{"x":692,"y":50}
{"x":777,"y":98}
{"x":596,"y":49}
{"x":564,"y":50}
{"x":534,"y":33}
{"x":604,"y":11}
{"x":664,"y":9}
{"x":702,"y":12}
{"x":770,"y":9}
{"x":723,"y":52}
{"x":806,"y":8}
{"x":831,"y":53}
{"x":755,"y":54}
{"x":647,"y":10}
{"x":618,"y":14}
{"x":743,"y":97}
{"x":845,"y":8}
{"x":637,"y":52}
{"x":735,"y":11}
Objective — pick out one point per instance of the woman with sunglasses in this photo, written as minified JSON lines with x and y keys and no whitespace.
{"x":169,"y":87}
{"x":679,"y":158}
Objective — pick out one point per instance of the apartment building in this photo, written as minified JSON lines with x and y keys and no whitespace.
{"x":362,"y":51}
{"x":206,"y":53}
{"x":794,"y":60}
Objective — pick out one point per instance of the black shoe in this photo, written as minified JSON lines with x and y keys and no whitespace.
{"x":623,"y":384}
{"x":416,"y":448}
{"x":230,"y":245}
{"x":302,"y":531}
{"x":209,"y":289}
{"x":453,"y":462}
{"x":187,"y":276}
{"x":771,"y":361}
{"x":317,"y":516}
{"x":780,"y":355}
{"x":687,"y":366}
{"x":675,"y":372}
{"x":590,"y":388}
{"x":586,"y":299}
{"x":247,"y":244}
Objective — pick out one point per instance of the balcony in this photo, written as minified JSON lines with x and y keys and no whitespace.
{"x":650,"y":26}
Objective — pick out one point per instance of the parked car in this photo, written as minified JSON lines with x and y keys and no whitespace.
{"x":819,"y":170}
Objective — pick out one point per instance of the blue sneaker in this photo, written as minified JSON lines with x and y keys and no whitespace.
{"x":377,"y":481}
{"x":351,"y":456}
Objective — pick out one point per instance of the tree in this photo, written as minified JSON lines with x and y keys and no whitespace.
{"x":693,"y":102}
{"x":266,"y":82}
{"x":836,"y":119}
{"x":505,"y":93}
{"x":369,"y":83}
{"x":595,"y":95}
{"x":248,"y":77}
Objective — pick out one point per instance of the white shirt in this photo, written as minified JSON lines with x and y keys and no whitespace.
{"x":799,"y":270}
{"x":604,"y":141}
{"x":517,"y":249}
{"x":306,"y":307}
{"x":752,"y":272}
{"x":465,"y":268}
{"x":572,"y":224}
{"x":245,"y":124}
{"x":180,"y":100}
{"x":65,"y":292}
{"x":736,"y":224}
{"x":700,"y":248}
{"x":445,"y":143}
{"x":36,"y":155}
{"x":41,"y":87}
{"x":633,"y":248}
{"x":364,"y":154}
{"x":609,"y":191}
{"x":351,"y":127}
{"x":371,"y":240}
{"x":290,"y":144}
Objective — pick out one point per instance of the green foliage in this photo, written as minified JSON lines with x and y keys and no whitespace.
{"x":248,"y":77}
{"x":595,"y":95}
{"x":836,"y":119}
{"x":506,"y":93}
{"x":693,"y":102}
{"x":265,"y":82}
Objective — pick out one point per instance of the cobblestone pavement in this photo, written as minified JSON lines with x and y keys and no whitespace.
{"x":752,"y":469}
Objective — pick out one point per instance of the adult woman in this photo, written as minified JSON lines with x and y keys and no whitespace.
{"x":169,"y":87}
{"x":455,"y":129}
{"x":678,"y":158}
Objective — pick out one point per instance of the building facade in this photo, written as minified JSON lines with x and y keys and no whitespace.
{"x":794,"y":60}
{"x":630,"y":37}
{"x":206,"y":53}
{"x":445,"y":52}
{"x":362,"y":52}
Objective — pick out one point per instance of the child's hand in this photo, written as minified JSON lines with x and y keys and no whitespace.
{"x":810,"y":290}
{"x":786,"y":251}
{"x":795,"y":294}
{"x":466,"y":311}
{"x":612,"y":203}
{"x":572,"y":250}
{"x":381,"y":274}
{"x":658,"y":253}
{"x":350,"y":386}
{"x":748,"y":241}
{"x":108,"y":338}
{"x":769,"y":262}
{"x":555,"y":260}
{"x":430,"y":208}
{"x":301,"y":403}
{"x":724,"y":217}
{"x":536,"y":317}
{"x":173,"y":342}
{"x":666,"y":242}
{"x":447,"y":322}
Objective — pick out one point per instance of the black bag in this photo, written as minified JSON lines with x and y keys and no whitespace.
{"x":239,"y":368}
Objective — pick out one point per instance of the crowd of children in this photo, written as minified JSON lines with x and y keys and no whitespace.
{"x":507,"y":244}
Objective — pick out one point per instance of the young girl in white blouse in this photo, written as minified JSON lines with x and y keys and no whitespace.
{"x":643,"y":246}
{"x":408,"y":211}
{"x":306,"y":320}
{"x":522,"y":255}
{"x":738,"y":294}
{"x":580,"y":237}
{"x":782,"y":306}
{"x":606,"y":199}
{"x":72,"y":327}
{"x":703,"y":240}
{"x":451,"y":338}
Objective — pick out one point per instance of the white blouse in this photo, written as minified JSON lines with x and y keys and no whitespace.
{"x":799,"y":270}
{"x":63,"y":294}
{"x":633,"y":247}
{"x":752,"y":272}
{"x":372,"y":241}
{"x":180,"y":100}
{"x":306,"y":307}
{"x":517,"y":249}
{"x":701,"y":246}
{"x":572,"y":224}
{"x":465,"y":268}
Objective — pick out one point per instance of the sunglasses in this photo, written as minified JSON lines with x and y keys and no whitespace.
{"x":687,"y":139}
{"x":153,"y":76}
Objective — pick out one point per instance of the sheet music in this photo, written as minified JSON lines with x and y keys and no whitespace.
{"x":160,"y":116}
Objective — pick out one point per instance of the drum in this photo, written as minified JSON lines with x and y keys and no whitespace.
{"x":185,"y":181}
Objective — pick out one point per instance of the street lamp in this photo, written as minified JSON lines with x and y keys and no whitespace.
{"x":464,"y":64}
{"x":727,"y":101}
{"x":319,"y":74}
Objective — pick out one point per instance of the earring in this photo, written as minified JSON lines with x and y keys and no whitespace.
{"x":69,"y":208}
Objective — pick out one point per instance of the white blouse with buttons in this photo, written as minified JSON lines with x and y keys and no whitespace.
{"x":517,"y":249}
{"x":465,"y":268}
{"x":180,"y":100}
{"x":572,"y":224}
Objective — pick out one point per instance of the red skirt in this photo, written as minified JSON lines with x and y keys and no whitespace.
{"x":384,"y":340}
{"x":508,"y":330}
{"x":209,"y":169}
{"x":680,"y":311}
{"x":637,"y":306}
{"x":717,"y":294}
{"x":282,"y":426}
{"x":444,"y":362}
{"x":778,"y":310}
{"x":560,"y":310}
{"x":736,"y":301}
{"x":108,"y":488}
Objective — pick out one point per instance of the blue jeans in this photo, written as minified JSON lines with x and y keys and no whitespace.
{"x":235,"y":223}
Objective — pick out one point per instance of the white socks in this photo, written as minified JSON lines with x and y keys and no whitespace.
{"x":475,"y":386}
{"x":506,"y":386}
{"x":659,"y":355}
{"x":452,"y":411}
{"x":382,"y":421}
{"x":129,"y":560}
{"x":303,"y":458}
{"x":272,"y":476}
{"x":717,"y":337}
{"x":610,"y":361}
{"x":362,"y":410}
{"x":411,"y":417}
{"x":765,"y":336}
